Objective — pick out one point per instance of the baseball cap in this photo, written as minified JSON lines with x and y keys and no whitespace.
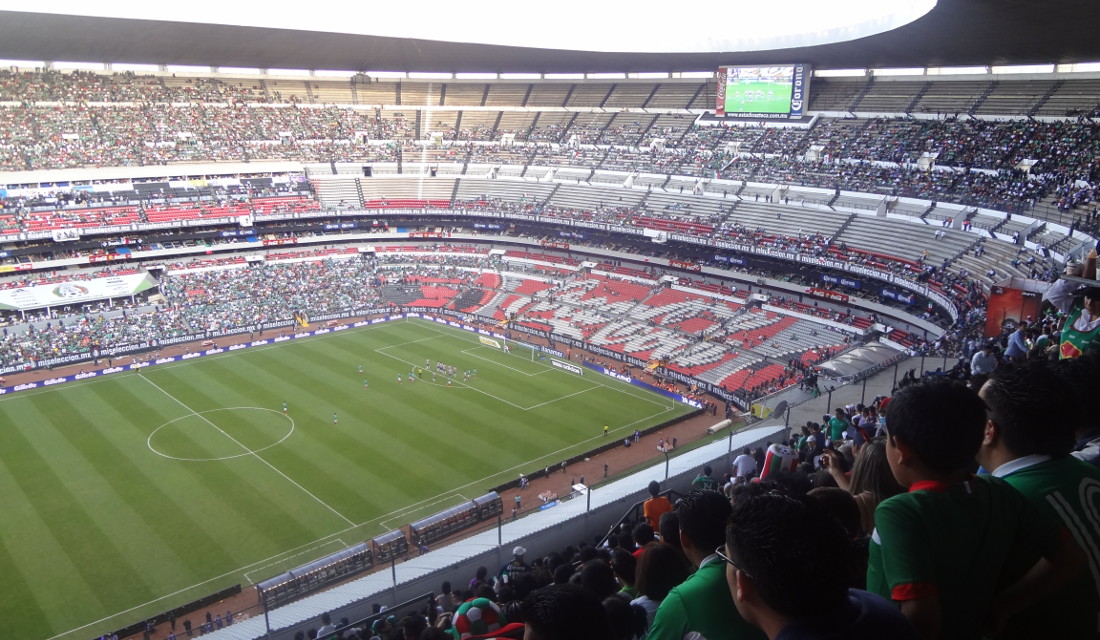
{"x":519,"y":551}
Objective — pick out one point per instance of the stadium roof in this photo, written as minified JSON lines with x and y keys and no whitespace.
{"x":953,"y":33}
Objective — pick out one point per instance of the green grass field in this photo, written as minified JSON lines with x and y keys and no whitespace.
{"x":128,"y":495}
{"x":737,"y":97}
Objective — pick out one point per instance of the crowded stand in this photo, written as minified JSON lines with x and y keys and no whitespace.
{"x":748,"y":342}
{"x":122,"y":120}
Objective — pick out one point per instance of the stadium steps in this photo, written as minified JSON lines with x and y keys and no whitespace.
{"x":916,"y":99}
{"x":603,"y":103}
{"x":1046,"y":96}
{"x":694,"y":97}
{"x":568,"y":95}
{"x":862,"y":94}
{"x":982,"y":98}
{"x":844,"y":226}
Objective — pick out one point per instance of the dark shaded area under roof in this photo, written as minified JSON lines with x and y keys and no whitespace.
{"x":956,"y":32}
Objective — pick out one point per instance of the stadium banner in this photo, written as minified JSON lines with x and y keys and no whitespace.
{"x":645,"y":385}
{"x":844,"y":282}
{"x":488,"y":342}
{"x":74,"y":292}
{"x":567,"y":366}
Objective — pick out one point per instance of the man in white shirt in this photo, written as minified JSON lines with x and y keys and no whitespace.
{"x":744,"y":466}
{"x":982,"y":365}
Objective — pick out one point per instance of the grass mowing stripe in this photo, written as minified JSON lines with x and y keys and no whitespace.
{"x":37,"y":586}
{"x":398,"y":452}
{"x":49,"y":475}
{"x":255,"y":455}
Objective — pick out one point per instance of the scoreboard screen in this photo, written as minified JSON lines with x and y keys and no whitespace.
{"x":770,"y":92}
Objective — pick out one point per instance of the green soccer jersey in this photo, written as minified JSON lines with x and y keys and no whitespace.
{"x":705,"y":482}
{"x":1067,"y":492}
{"x":960,"y":543}
{"x":702,"y":604}
{"x":836,"y":429}
{"x":1075,"y":341}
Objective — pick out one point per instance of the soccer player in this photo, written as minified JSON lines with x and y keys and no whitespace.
{"x":333,"y":417}
{"x":411,"y":378}
{"x":284,"y":408}
{"x":606,"y":429}
{"x":360,"y":369}
{"x":398,"y":378}
{"x":365,"y":385}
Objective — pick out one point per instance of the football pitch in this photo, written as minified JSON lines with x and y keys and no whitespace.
{"x":131,"y":494}
{"x":758,"y":97}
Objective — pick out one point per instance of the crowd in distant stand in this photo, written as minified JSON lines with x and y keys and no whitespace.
{"x":979,"y":159}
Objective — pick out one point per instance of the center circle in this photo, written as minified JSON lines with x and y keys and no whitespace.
{"x":238,"y":431}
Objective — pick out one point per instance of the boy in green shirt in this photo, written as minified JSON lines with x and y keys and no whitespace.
{"x":946,"y":550}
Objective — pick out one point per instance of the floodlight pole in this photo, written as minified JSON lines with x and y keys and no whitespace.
{"x":666,"y":465}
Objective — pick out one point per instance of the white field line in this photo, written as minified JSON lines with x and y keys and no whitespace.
{"x":254,"y":454}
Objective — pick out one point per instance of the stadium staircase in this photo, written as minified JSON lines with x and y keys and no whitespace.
{"x":844,"y":226}
{"x":694,"y":97}
{"x":568,"y":95}
{"x":983,"y":97}
{"x":916,"y":99}
{"x":1046,"y":96}
{"x":863,"y":93}
{"x":645,"y":103}
{"x":603,"y":103}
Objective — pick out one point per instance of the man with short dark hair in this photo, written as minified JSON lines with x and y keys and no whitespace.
{"x":705,"y":481}
{"x":702,"y":604}
{"x":1028,"y":438}
{"x":793,"y":585}
{"x":656,"y":506}
{"x":564,"y":612}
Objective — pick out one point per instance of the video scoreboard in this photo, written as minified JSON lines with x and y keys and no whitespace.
{"x":776,"y":92}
